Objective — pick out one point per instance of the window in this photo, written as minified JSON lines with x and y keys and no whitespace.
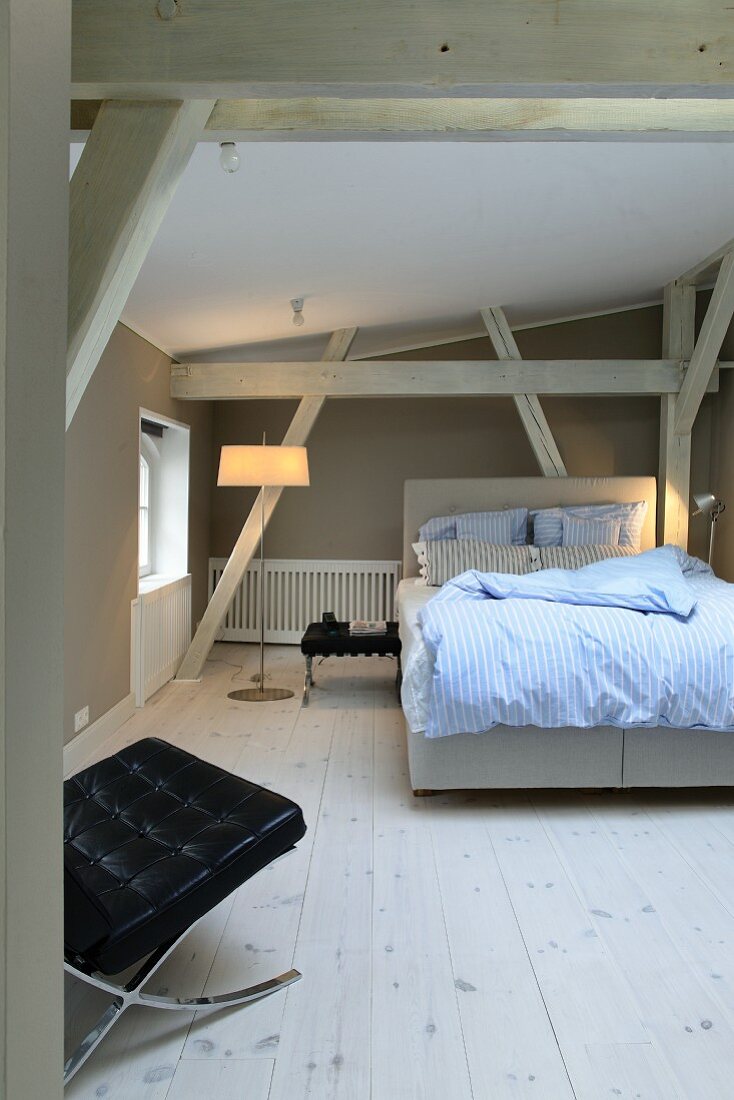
{"x":163,"y":499}
{"x":144,"y":555}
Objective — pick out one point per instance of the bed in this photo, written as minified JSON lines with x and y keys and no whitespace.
{"x":527,"y":756}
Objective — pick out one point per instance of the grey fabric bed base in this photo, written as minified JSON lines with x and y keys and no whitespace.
{"x":602,"y":757}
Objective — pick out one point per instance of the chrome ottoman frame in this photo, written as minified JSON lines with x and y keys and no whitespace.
{"x":131,"y":993}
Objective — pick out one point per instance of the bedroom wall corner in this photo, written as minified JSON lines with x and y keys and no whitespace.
{"x":101,"y":570}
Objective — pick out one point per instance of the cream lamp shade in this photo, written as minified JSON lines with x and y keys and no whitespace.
{"x":263,"y":465}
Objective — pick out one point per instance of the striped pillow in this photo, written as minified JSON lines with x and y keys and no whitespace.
{"x":590,"y":532}
{"x":575,"y":557}
{"x":505,"y":528}
{"x":547,"y":526}
{"x":548,"y":522}
{"x":440,"y":527}
{"x":443,"y":559}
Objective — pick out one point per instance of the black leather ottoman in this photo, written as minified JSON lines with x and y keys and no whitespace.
{"x":153,"y":839}
{"x":318,"y":642}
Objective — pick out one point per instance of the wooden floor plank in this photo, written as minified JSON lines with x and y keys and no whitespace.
{"x":511,"y":1047}
{"x":636,"y":1070}
{"x":705,"y":840}
{"x":233,"y":1080}
{"x":690,"y":1030}
{"x":587,"y":997}
{"x":260,"y":936}
{"x":414,"y":993}
{"x":697,"y":921}
{"x":324,"y":1047}
{"x":417,"y":1042}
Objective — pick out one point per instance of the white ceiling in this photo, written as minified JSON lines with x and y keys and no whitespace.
{"x":411,"y":239}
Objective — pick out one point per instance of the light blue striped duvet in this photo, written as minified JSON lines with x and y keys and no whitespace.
{"x":527,"y":661}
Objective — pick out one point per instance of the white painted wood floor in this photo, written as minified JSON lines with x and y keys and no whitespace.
{"x":483,"y":946}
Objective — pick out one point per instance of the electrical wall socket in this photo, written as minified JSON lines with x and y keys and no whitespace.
{"x":81,"y":719}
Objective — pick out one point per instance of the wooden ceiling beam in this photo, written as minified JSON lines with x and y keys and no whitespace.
{"x":429,"y":378}
{"x":324,"y":118}
{"x":127,"y":175}
{"x":706,"y":270}
{"x":220,"y":49}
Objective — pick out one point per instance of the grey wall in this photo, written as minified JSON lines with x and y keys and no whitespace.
{"x":722,"y":471}
{"x":102,"y":517}
{"x":361,"y":451}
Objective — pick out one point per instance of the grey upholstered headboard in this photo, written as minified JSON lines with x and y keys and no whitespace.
{"x":446,"y":496}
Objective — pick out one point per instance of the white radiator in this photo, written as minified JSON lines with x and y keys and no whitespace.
{"x":298,"y":592}
{"x":161,"y":633}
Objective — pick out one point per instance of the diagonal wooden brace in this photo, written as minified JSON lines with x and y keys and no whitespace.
{"x":527,"y":404}
{"x":244,"y":549}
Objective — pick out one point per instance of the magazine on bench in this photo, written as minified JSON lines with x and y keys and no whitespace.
{"x":367,"y":626}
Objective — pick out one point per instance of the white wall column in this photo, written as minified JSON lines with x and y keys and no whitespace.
{"x":679,"y":316}
{"x":34,"y":197}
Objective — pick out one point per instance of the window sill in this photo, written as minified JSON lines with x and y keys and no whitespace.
{"x":151,"y":581}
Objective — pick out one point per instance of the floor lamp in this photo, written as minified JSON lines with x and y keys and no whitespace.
{"x":263,"y":466}
{"x":708,"y":505}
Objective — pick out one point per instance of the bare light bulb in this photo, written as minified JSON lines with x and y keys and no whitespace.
{"x":229,"y":158}
{"x":297,"y":307}
{"x":299,"y":319}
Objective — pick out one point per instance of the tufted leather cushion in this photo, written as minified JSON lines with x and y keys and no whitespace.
{"x":153,"y":839}
{"x":317,"y":642}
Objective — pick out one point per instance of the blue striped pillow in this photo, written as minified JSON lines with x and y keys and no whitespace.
{"x":506,"y":528}
{"x":440,"y":527}
{"x":547,"y":527}
{"x":590,"y":532}
{"x":548,"y":522}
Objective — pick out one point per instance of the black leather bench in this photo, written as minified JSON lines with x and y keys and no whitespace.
{"x":153,"y":839}
{"x":318,"y":642}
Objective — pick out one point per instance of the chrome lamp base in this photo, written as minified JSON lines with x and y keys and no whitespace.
{"x":259,"y":695}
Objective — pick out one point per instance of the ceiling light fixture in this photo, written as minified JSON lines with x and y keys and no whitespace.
{"x":297,"y":307}
{"x":229,"y":158}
